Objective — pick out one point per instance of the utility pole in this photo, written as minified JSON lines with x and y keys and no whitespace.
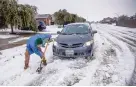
{"x":117,"y":18}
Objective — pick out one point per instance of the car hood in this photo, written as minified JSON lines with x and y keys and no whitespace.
{"x":74,"y":39}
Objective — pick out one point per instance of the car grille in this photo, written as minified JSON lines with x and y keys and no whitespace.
{"x":71,"y":45}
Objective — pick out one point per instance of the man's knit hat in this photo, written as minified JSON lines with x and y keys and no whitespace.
{"x":39,"y":41}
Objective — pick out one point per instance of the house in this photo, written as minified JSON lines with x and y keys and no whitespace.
{"x":47,"y":18}
{"x":108,"y":20}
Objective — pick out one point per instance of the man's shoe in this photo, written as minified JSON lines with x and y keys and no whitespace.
{"x":44,"y":62}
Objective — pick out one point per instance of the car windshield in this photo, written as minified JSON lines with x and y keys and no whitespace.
{"x":75,"y":29}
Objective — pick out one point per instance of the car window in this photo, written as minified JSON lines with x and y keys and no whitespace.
{"x":76,"y":29}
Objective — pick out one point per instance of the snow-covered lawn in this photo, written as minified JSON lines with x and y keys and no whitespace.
{"x":18,"y":39}
{"x":49,"y":29}
{"x":113,"y":63}
{"x":7,"y":36}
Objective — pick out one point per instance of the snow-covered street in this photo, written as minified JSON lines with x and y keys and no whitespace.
{"x":113,"y":62}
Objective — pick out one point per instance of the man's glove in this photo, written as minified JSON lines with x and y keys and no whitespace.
{"x":43,"y":60}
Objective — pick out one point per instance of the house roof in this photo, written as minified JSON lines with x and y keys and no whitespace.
{"x":43,"y":16}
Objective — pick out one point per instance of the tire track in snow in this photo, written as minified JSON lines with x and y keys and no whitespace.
{"x":129,"y":40}
{"x":119,"y":46}
{"x":105,"y":73}
{"x":132,"y":46}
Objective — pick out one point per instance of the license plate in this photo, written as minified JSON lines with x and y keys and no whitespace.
{"x":69,"y":52}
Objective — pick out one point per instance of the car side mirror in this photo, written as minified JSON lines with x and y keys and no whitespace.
{"x":58,"y":32}
{"x":94,"y":31}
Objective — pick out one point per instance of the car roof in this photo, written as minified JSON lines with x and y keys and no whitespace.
{"x":79,"y":23}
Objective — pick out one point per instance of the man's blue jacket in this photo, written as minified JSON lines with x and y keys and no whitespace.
{"x":31,"y":43}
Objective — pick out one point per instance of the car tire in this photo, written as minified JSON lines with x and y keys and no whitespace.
{"x":90,"y":57}
{"x":92,"y":54}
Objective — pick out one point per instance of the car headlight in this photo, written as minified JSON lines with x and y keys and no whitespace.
{"x":55,"y":43}
{"x":88,"y":43}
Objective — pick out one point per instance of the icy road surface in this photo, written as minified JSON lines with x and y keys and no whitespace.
{"x":113,"y":63}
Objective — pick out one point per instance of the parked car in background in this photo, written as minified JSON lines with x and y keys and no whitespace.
{"x":41,"y":26}
{"x":75,"y":40}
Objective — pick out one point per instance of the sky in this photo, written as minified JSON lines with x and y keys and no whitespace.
{"x":92,"y":10}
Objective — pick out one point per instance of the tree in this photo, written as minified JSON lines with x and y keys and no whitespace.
{"x":62,"y":17}
{"x":122,"y":20}
{"x":2,"y":22}
{"x":3,"y":12}
{"x":15,"y":14}
{"x":27,"y":15}
{"x":12,"y":14}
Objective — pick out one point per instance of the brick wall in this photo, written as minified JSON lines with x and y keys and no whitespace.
{"x":47,"y":21}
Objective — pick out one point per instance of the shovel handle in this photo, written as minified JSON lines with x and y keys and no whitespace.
{"x":46,"y":48}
